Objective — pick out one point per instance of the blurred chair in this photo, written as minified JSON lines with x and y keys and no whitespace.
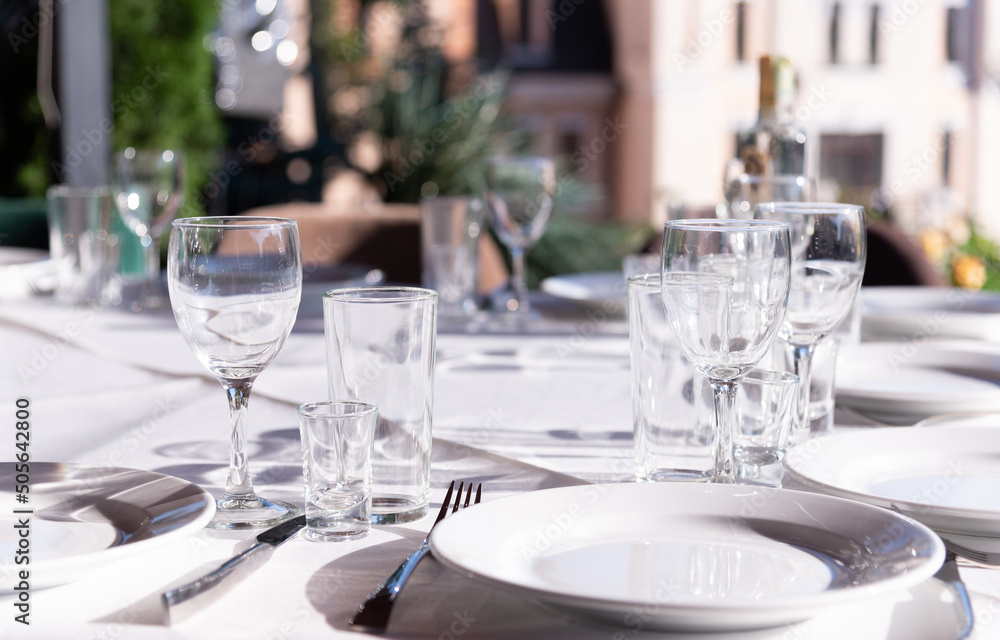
{"x":377,"y":235}
{"x":895,"y":259}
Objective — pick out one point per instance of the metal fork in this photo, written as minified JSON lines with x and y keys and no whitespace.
{"x":373,"y":615}
{"x":982,"y":556}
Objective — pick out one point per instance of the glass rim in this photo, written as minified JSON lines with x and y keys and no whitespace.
{"x":77,"y":190}
{"x":781,"y":178}
{"x":380,"y":294}
{"x":325,"y":409}
{"x":804,"y":207}
{"x":645,"y":278}
{"x":243,"y":222}
{"x":724,"y":224}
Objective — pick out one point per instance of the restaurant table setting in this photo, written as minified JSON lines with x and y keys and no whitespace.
{"x":835,"y":533}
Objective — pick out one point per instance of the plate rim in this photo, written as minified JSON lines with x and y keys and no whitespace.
{"x":853,"y":394}
{"x":42,"y":569}
{"x":552,"y":286}
{"x":907,"y":506}
{"x":780,"y":611}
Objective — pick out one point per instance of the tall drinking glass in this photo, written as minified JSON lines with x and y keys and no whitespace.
{"x":725,"y":287}
{"x":828,"y":262}
{"x":520,"y":194}
{"x":235,"y":284}
{"x":148,"y":188}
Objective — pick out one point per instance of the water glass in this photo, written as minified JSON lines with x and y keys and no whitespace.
{"x":82,"y":248}
{"x":337,"y":452}
{"x":764,"y":406}
{"x":449,"y":233}
{"x":671,"y":402}
{"x":380,"y":349}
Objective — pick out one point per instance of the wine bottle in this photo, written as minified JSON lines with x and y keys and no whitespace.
{"x":774,"y":145}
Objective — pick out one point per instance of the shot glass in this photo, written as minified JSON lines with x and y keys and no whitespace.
{"x":763,"y":422}
{"x":380,"y":349}
{"x":337,"y":452}
{"x":671,"y":402}
{"x":449,"y":233}
{"x":82,"y":248}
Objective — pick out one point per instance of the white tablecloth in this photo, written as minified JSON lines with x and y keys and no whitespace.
{"x":518,"y":412}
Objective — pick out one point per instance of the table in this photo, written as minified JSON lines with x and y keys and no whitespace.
{"x":517,"y":411}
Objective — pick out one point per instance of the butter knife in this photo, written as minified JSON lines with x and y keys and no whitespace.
{"x":187,"y":599}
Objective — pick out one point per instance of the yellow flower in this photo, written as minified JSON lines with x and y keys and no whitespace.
{"x":935,"y":245}
{"x":968,"y":272}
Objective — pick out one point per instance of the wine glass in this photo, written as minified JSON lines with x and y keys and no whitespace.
{"x":828,"y":262}
{"x":235,"y":284}
{"x":725,"y":287}
{"x":520,"y":194}
{"x":148,"y":188}
{"x":745,"y":191}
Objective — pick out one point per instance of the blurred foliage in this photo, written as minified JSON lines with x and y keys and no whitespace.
{"x":162,"y":87}
{"x":963,"y":254}
{"x":28,"y":145}
{"x":414,"y":129}
{"x":163,"y":83}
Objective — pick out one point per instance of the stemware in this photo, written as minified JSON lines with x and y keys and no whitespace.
{"x":148,"y":189}
{"x":725,"y":287}
{"x":745,"y":191}
{"x":520,"y":194}
{"x":235,"y":284}
{"x":828,"y":262}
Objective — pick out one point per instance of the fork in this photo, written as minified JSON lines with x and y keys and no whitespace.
{"x":982,"y":556}
{"x":373,"y":615}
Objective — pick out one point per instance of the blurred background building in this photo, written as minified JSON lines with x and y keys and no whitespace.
{"x":641,"y":100}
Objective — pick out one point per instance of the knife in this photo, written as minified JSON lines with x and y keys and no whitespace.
{"x":187,"y":599}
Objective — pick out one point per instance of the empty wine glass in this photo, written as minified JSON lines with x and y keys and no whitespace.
{"x":235,"y":284}
{"x":520,"y":194}
{"x":828,"y":262}
{"x":745,"y":191}
{"x":725,"y":287}
{"x":148,"y":188}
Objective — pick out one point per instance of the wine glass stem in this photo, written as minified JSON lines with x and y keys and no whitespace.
{"x":802,"y":357}
{"x":518,"y":281}
{"x":238,"y":486}
{"x":724,"y":395}
{"x":151,"y":273}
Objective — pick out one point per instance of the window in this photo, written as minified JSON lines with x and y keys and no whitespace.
{"x":854,"y":162}
{"x":873,"y":37}
{"x":741,"y":30}
{"x":954,"y":32}
{"x":834,"y":32}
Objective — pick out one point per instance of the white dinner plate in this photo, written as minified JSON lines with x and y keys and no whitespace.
{"x":699,"y":557}
{"x":907,"y":313}
{"x":85,"y":517}
{"x":945,"y":477}
{"x":593,"y":289}
{"x":904,"y":382}
{"x":24,"y":272}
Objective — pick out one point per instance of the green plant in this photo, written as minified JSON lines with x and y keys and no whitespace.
{"x":163,"y":83}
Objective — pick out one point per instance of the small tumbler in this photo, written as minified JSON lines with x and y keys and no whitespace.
{"x":449,"y":231}
{"x":84,"y":252}
{"x":671,"y":402}
{"x":763,"y":423}
{"x":337,"y":453}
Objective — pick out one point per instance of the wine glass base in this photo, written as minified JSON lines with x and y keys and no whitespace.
{"x":251,"y":514}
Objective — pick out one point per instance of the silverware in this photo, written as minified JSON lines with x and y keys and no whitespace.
{"x":373,"y":615}
{"x":185,"y":600}
{"x":980,"y":555}
{"x":948,"y":573}
{"x":987,"y":550}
